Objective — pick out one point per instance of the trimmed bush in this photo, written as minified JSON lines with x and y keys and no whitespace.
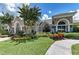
{"x":72,"y":36}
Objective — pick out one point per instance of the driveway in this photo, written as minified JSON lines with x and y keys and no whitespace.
{"x":62,"y":47}
{"x":6,"y":38}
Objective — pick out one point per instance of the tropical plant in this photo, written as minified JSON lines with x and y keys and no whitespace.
{"x":29,"y":14}
{"x":24,"y":12}
{"x":1,"y":25}
{"x":46,"y":28}
{"x":7,"y":18}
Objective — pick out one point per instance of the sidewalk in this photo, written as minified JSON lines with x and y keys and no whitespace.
{"x":62,"y":47}
{"x":6,"y":38}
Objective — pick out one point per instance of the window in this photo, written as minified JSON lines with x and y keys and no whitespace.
{"x":61,"y":22}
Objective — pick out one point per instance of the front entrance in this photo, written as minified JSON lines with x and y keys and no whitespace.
{"x":17,"y":28}
{"x":63,"y":26}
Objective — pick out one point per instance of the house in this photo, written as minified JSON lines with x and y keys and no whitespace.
{"x":17,"y":25}
{"x":62,"y":22}
{"x":59,"y":23}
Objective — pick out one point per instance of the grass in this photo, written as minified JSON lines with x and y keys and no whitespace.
{"x":34,"y":47}
{"x":73,"y":35}
{"x":75,"y":49}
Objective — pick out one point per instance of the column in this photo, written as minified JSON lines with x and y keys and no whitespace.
{"x":72,"y":28}
{"x":14,"y":30}
{"x":51,"y":28}
{"x":56,"y":28}
{"x":68,"y":28}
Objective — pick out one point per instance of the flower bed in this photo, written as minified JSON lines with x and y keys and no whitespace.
{"x":58,"y":36}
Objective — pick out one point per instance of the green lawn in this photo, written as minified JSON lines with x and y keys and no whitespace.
{"x":75,"y":49}
{"x":34,"y":47}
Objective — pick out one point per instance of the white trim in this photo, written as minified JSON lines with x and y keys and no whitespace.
{"x":67,"y":24}
{"x":63,"y":19}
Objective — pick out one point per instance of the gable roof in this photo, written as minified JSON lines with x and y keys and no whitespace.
{"x":64,"y":14}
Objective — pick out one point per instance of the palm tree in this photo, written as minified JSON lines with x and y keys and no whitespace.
{"x":24,"y":11}
{"x":7,"y":18}
{"x":1,"y":25}
{"x":34,"y":15}
{"x":29,"y":14}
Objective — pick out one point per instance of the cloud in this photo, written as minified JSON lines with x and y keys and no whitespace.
{"x":1,"y":14}
{"x":11,"y":7}
{"x":45,"y":17}
{"x":72,"y":11}
{"x":50,"y":12}
{"x":76,"y":16}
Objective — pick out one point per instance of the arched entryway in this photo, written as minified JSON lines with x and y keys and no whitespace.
{"x":18,"y":29}
{"x":63,"y":25}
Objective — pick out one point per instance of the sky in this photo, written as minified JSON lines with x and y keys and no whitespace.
{"x":47,"y":9}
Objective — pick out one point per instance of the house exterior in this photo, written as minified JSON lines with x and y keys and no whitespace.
{"x":17,"y":25}
{"x":63,"y":22}
{"x":59,"y":23}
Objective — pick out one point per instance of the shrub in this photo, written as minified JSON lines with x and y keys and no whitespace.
{"x":23,"y":39}
{"x":75,"y":28}
{"x":56,"y":36}
{"x":72,"y":36}
{"x":32,"y":34}
{"x":4,"y":32}
{"x":42,"y":34}
{"x":46,"y":28}
{"x":20,"y":33}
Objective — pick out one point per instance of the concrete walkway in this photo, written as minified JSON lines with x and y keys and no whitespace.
{"x":6,"y":38}
{"x":62,"y":47}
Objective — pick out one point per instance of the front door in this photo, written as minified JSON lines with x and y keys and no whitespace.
{"x":61,"y":28}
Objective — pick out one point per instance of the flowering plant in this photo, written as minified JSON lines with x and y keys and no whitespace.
{"x":57,"y":36}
